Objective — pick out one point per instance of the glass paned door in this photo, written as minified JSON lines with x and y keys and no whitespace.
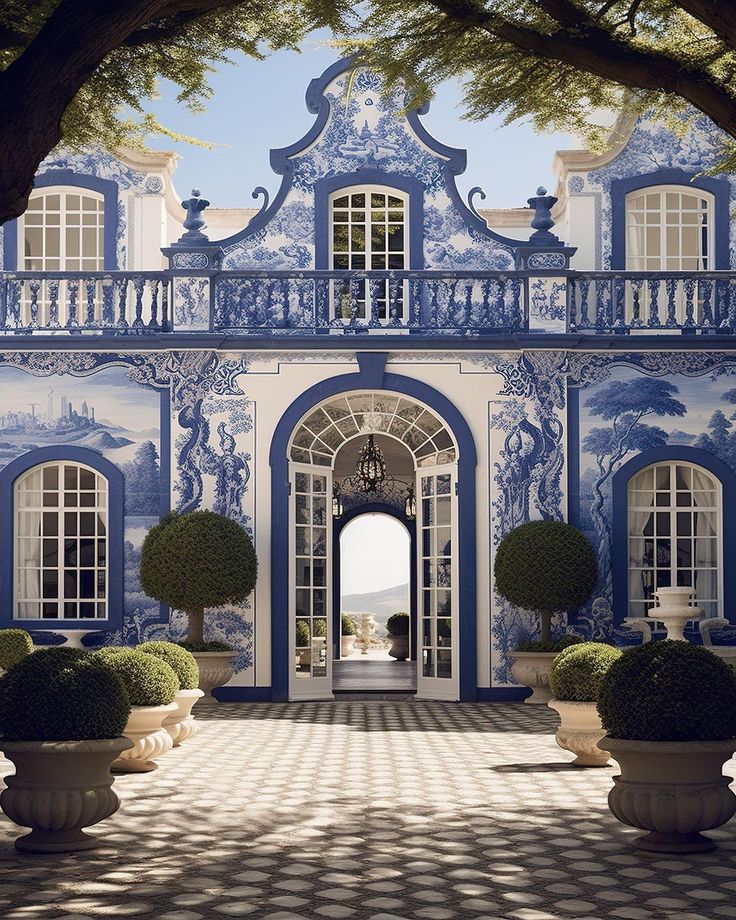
{"x":437,"y":658}
{"x":310,"y":630}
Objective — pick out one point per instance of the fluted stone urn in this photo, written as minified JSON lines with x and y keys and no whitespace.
{"x":150,"y":739}
{"x":215,"y":669}
{"x":532,"y":669}
{"x":674,"y":790}
{"x":580,"y":731}
{"x":180,"y":724}
{"x":58,"y":789}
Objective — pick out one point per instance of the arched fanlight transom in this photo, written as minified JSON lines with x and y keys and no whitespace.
{"x":323,"y":432}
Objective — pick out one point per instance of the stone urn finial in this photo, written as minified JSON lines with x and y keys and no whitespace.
{"x":194,"y":223}
{"x":542,"y":221}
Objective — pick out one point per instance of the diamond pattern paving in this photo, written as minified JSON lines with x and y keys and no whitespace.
{"x":379,"y":810}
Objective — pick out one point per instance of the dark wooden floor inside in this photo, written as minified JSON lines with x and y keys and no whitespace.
{"x":351,"y":676}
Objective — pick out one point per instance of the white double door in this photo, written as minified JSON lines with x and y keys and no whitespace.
{"x":310,"y":622}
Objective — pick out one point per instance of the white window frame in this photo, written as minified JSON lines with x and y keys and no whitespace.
{"x":99,"y":508}
{"x":339,"y":302}
{"x":672,"y":508}
{"x":27,"y":263}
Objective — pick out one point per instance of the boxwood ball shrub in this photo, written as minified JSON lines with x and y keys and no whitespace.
{"x":196,"y":561}
{"x":579,"y":669}
{"x":398,"y":624}
{"x":62,"y":694}
{"x":182,"y":662}
{"x":669,"y":691}
{"x":347,"y":626}
{"x":547,"y":566}
{"x":148,"y":680}
{"x":212,"y":646}
{"x":15,"y":644}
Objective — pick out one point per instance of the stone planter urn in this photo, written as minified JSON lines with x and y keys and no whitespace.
{"x":672,"y":789}
{"x":215,"y":669}
{"x":532,"y":669}
{"x":59,"y":788}
{"x":180,"y":724}
{"x":347,"y":646}
{"x":580,"y":731}
{"x":399,"y":647}
{"x":150,"y":739}
{"x":674,"y":610}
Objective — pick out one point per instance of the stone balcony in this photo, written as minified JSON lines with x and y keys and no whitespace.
{"x":328,"y":303}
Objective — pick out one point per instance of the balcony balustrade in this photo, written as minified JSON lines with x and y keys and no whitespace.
{"x":431,"y":303}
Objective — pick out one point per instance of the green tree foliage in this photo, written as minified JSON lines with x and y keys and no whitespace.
{"x":546,"y":566}
{"x":196,"y":561}
{"x":15,"y":644}
{"x":579,"y":669}
{"x":148,"y":679}
{"x":84,"y":71}
{"x":560,"y":60}
{"x":182,"y":662}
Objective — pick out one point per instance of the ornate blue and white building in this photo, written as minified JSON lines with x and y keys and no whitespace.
{"x":505,"y":372}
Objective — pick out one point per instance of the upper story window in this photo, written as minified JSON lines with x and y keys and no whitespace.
{"x":674,"y":526}
{"x":63,"y":230}
{"x":61,"y":542}
{"x":669,"y":228}
{"x":369,"y":231}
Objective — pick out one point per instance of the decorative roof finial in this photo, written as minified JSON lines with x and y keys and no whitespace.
{"x":193,"y":222}
{"x":542,"y":221}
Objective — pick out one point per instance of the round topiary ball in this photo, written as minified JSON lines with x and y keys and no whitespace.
{"x":579,"y":669}
{"x":669,"y":691}
{"x":182,"y":662}
{"x":62,"y":694}
{"x":148,"y":680}
{"x":15,"y":644}
{"x":398,"y":624}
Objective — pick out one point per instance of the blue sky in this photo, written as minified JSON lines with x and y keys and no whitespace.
{"x":258,"y":105}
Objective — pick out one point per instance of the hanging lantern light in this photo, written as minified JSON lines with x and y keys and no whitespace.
{"x":370,"y":469}
{"x":410,"y":504}
{"x":337,"y":506}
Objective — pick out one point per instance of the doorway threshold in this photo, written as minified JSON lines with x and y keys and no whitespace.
{"x":375,"y":696}
{"x":374,"y":676}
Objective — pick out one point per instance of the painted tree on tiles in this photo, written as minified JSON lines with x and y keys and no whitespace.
{"x":624,"y":404}
{"x":720,"y":439}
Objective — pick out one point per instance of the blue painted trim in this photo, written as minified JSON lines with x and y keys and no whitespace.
{"x":573,"y":455}
{"x":619,"y":553}
{"x":503,"y":694}
{"x":242,"y":694}
{"x":66,"y":177}
{"x":280,"y":537}
{"x":116,"y":486}
{"x":412,"y":187}
{"x":719,"y":188}
{"x":338,"y":525}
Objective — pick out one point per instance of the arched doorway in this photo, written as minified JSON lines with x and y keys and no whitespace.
{"x":316,"y":441}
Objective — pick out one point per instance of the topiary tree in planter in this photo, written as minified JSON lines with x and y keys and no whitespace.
{"x":347,"y":624}
{"x":197,"y":561}
{"x":546,"y":566}
{"x":669,"y":710}
{"x":180,"y":724}
{"x":15,"y":644}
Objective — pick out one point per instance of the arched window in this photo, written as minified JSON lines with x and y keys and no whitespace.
{"x":369,"y":231}
{"x":674,"y":534}
{"x":61,"y":543}
{"x":669,"y":228}
{"x":63,"y":230}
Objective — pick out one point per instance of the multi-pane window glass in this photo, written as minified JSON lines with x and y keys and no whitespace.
{"x":310,"y":551}
{"x":673,"y":527}
{"x":436,"y":575}
{"x":63,"y":230}
{"x":669,"y":229}
{"x":368,"y":233}
{"x":328,"y":427}
{"x":61,"y":512}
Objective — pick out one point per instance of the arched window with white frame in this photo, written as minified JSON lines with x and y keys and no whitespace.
{"x":61,"y":524}
{"x":62,"y":230}
{"x":674,"y":534}
{"x":369,"y":232}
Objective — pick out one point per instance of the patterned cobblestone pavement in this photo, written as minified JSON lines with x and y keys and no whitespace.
{"x":380,"y":810}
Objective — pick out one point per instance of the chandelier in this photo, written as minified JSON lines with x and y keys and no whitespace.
{"x":370,"y":470}
{"x":370,"y":478}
